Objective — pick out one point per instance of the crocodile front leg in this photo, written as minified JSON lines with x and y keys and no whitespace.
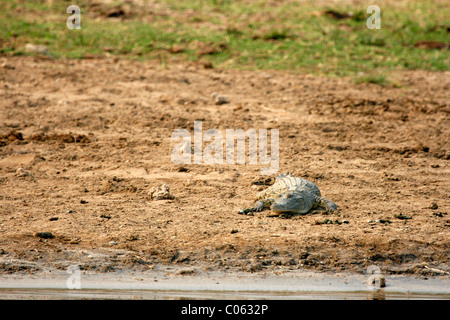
{"x":330,"y":206}
{"x":260,"y":205}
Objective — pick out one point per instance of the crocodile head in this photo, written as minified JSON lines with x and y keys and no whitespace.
{"x":293,"y":202}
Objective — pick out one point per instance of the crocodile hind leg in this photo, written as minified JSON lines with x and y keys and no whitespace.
{"x":260,"y":205}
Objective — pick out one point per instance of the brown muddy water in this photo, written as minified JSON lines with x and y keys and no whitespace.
{"x":175,"y":284}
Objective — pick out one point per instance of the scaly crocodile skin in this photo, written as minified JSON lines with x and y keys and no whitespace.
{"x":290,"y":194}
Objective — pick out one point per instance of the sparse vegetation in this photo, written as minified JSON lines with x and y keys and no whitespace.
{"x":379,"y":79}
{"x":245,"y":35}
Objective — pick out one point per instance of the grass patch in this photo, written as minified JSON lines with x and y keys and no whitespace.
{"x":237,"y":34}
{"x":380,"y":79}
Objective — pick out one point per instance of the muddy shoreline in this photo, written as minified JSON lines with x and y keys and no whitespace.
{"x":82,"y":142}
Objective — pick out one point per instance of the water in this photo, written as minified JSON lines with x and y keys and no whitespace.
{"x":171,"y":285}
{"x":122,"y":294}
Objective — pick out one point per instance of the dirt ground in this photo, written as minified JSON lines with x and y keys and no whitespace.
{"x":82,"y":142}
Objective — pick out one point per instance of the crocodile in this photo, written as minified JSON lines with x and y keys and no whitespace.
{"x":290,"y":195}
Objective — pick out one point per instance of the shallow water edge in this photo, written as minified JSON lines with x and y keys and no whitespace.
{"x":170,"y":283}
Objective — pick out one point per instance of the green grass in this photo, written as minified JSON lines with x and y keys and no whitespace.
{"x":380,"y":79}
{"x":245,"y":35}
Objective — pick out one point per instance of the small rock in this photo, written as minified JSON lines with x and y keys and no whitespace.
{"x":44,"y":235}
{"x":219,"y":99}
{"x":112,"y":243}
{"x":385,"y":221}
{"x":7,"y":65}
{"x":133,"y":237}
{"x":185,"y":272}
{"x":161,"y":193}
{"x":382,"y":282}
{"x":433,"y":205}
{"x":208,"y":65}
{"x":329,"y":221}
{"x":402,"y":216}
{"x":439,"y":214}
{"x":23,"y":173}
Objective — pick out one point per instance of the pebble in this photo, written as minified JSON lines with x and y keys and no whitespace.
{"x":220,"y":99}
{"x":433,"y":205}
{"x":379,"y":220}
{"x":161,"y":193}
{"x":329,"y":221}
{"x":112,"y":243}
{"x":44,"y":235}
{"x":402,"y":216}
{"x":382,"y":282}
{"x":7,"y":65}
{"x":23,"y":173}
